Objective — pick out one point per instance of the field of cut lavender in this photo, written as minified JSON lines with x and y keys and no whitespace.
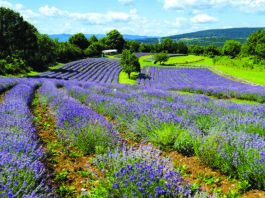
{"x":92,"y":69}
{"x":201,"y":81}
{"x":102,"y":121}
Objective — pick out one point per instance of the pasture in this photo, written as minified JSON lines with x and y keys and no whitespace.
{"x":76,"y":132}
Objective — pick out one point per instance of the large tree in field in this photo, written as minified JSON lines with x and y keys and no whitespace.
{"x":79,"y":40}
{"x":161,"y":57}
{"x":231,"y":48}
{"x":129,"y":62}
{"x":115,"y":40}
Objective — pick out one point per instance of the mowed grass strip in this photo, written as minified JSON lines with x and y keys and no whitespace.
{"x":254,"y":76}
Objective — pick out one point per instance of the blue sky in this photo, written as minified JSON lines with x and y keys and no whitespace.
{"x":138,"y":17}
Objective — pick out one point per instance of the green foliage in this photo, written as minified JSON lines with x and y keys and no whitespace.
{"x":63,"y":191}
{"x":13,"y":66}
{"x":17,"y":37}
{"x":61,"y":176}
{"x":256,"y":44}
{"x":45,"y":55}
{"x":133,"y":46}
{"x":92,"y":139}
{"x":196,"y":50}
{"x":94,"y":50}
{"x":167,"y":45}
{"x":181,"y":48}
{"x":79,"y":40}
{"x":161,"y":57}
{"x":144,"y":47}
{"x":93,"y":39}
{"x":129,"y":62}
{"x":231,"y":48}
{"x":68,"y":52}
{"x":115,"y":40}
{"x":212,"y":51}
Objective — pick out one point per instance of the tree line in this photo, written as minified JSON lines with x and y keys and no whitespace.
{"x":24,"y":49}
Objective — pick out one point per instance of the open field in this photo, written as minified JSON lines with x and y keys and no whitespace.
{"x":255,"y":76}
{"x":99,"y":139}
{"x":184,"y":59}
{"x":84,"y":126}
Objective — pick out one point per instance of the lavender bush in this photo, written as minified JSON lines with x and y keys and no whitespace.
{"x":77,"y":123}
{"x":21,"y":172}
{"x":190,"y":124}
{"x":140,"y":172}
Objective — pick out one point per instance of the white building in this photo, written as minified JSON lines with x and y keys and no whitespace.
{"x":110,"y":51}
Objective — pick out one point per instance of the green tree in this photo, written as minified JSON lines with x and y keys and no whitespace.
{"x":17,"y":37}
{"x":196,"y":50}
{"x":94,"y":50}
{"x":129,"y":62}
{"x":231,"y":48}
{"x":79,"y":40}
{"x":167,"y":45}
{"x":93,"y":39}
{"x":260,"y":50}
{"x":161,"y":57}
{"x":115,"y":40}
{"x":212,"y":51}
{"x":46,"y":54}
{"x":144,"y":48}
{"x":256,"y":44}
{"x":68,"y":52}
{"x":133,"y":46}
{"x":182,"y":48}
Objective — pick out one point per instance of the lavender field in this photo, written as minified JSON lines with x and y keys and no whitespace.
{"x":98,"y":117}
{"x":202,"y":81}
{"x":93,"y":69}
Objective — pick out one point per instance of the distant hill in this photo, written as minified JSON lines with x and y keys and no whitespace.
{"x":215,"y":36}
{"x":65,"y":37}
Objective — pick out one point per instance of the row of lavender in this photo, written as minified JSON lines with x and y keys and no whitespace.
{"x":7,"y":83}
{"x":225,"y":135}
{"x":21,"y":171}
{"x":152,"y":175}
{"x":203,"y":81}
{"x":93,"y":69}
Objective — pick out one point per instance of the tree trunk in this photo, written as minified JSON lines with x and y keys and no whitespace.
{"x":129,"y":75}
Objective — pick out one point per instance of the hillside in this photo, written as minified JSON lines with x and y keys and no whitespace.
{"x":215,"y":36}
{"x":210,"y":37}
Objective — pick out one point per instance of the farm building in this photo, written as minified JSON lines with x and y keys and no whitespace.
{"x":110,"y":51}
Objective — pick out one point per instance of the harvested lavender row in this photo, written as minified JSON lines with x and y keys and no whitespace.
{"x":76,"y":122}
{"x":193,"y":124}
{"x":21,"y":172}
{"x":142,"y":172}
{"x":202,"y":80}
{"x":93,"y":69}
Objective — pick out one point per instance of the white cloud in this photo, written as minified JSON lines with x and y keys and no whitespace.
{"x":203,"y":18}
{"x":5,"y":4}
{"x":126,"y":2}
{"x":247,"y":6}
{"x":51,"y":11}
